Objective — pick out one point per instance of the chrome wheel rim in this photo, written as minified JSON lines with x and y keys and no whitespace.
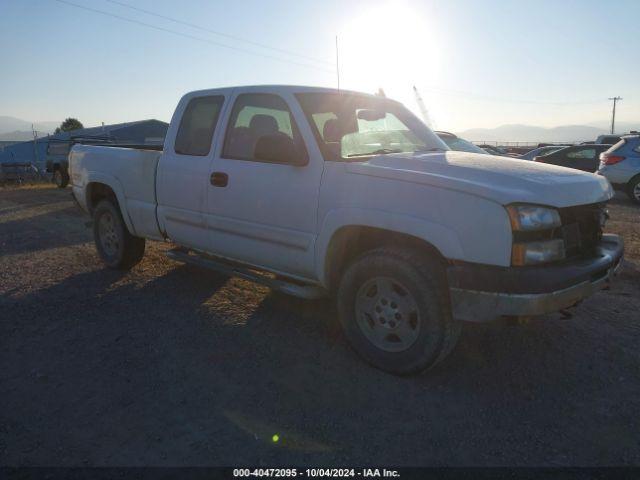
{"x":387,"y":314}
{"x":108,"y":235}
{"x":636,"y":191}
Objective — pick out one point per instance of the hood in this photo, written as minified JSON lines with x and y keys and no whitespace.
{"x":500,"y":179}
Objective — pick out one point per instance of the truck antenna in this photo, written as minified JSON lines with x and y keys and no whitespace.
{"x":423,"y":109}
{"x":337,"y":63}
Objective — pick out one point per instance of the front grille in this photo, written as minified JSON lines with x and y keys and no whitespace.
{"x":582,"y":229}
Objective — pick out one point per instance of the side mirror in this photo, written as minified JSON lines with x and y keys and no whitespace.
{"x":279,"y":148}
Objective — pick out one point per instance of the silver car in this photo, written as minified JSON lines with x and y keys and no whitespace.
{"x":621,"y":166}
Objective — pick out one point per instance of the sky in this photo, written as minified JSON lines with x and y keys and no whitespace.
{"x":476,"y":63}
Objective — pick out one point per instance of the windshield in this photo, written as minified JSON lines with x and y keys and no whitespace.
{"x":349,"y":126}
{"x":461,"y":145}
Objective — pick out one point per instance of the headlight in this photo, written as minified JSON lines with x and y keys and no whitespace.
{"x":532,"y":253}
{"x":532,"y":217}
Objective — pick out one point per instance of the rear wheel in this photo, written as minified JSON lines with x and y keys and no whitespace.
{"x":633,"y":189}
{"x":60,"y":178}
{"x":117,"y":247}
{"x":394,"y":309}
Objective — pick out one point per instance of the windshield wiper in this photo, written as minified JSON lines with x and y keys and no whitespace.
{"x":381,"y":151}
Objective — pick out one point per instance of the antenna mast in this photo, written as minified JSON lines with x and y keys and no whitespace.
{"x":337,"y":63}
{"x":423,"y":108}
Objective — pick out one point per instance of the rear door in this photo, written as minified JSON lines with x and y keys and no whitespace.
{"x":184,"y":168}
{"x":263,"y":208}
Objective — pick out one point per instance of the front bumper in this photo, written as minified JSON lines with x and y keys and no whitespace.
{"x":481,"y":293}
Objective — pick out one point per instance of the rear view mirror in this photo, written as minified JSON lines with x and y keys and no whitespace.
{"x":279,"y":148}
{"x":371,"y":115}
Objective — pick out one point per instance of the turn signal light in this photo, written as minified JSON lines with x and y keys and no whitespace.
{"x":532,"y":253}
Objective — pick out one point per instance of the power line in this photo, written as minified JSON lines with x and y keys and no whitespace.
{"x":215,"y":32}
{"x":192,"y":37}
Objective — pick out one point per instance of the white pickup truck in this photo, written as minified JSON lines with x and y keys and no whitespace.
{"x":319,"y":192}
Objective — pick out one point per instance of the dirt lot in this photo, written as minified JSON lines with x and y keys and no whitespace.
{"x":171,"y":365}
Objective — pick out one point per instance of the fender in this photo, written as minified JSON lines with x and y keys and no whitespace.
{"x":115,"y":185}
{"x":440,"y":236}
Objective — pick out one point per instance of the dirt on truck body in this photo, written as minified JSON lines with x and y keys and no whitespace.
{"x":172,"y":365}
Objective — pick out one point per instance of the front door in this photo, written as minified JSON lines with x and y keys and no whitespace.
{"x":263,"y":197}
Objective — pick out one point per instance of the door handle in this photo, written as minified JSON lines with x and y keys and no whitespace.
{"x":219,"y":179}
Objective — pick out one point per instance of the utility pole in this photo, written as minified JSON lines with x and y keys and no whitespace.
{"x":337,"y":63}
{"x":613,"y":115}
{"x":35,"y":144}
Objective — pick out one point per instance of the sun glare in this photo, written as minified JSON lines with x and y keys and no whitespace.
{"x":389,"y":46}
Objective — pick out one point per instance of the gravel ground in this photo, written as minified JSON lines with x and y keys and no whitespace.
{"x":171,"y":365}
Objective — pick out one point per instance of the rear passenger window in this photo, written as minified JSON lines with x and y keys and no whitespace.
{"x":259,"y":117}
{"x":197,"y":125}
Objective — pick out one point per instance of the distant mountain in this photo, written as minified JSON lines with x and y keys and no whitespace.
{"x":620,"y":126}
{"x":19,"y":136}
{"x":12,"y":124}
{"x":529,"y":133}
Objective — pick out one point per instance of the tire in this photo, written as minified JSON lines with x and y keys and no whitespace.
{"x":409,"y":291}
{"x":117,"y":248}
{"x":60,"y":178}
{"x":633,"y":189}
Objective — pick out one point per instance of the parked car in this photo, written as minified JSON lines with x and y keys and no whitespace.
{"x":620,"y":164}
{"x":607,"y":139}
{"x":320,"y":192}
{"x":501,"y":152}
{"x":580,"y":157}
{"x":57,"y":156}
{"x":459,"y":144}
{"x":540,"y":151}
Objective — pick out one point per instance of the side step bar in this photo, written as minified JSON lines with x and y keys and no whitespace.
{"x":235,"y":270}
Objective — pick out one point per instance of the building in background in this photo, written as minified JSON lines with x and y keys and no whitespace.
{"x":53,"y":147}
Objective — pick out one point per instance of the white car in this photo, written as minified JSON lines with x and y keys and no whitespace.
{"x":324,"y":192}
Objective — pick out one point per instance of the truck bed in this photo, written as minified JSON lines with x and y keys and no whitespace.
{"x":131,"y":170}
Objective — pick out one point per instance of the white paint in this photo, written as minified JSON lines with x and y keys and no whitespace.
{"x":282,"y":217}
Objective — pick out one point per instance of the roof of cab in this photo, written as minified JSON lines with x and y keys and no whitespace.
{"x":280,"y":88}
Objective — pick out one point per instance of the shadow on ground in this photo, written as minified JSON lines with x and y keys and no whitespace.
{"x":194,"y":368}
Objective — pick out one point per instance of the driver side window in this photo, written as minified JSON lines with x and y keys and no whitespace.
{"x":261,"y":128}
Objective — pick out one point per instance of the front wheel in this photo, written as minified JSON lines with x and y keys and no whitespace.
{"x":117,"y":247}
{"x":394,"y":309}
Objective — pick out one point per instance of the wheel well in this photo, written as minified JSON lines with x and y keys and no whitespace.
{"x":349,"y":242}
{"x":633,"y":179}
{"x":97,"y":192}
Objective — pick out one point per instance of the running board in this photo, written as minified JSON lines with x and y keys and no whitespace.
{"x":307,"y":291}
